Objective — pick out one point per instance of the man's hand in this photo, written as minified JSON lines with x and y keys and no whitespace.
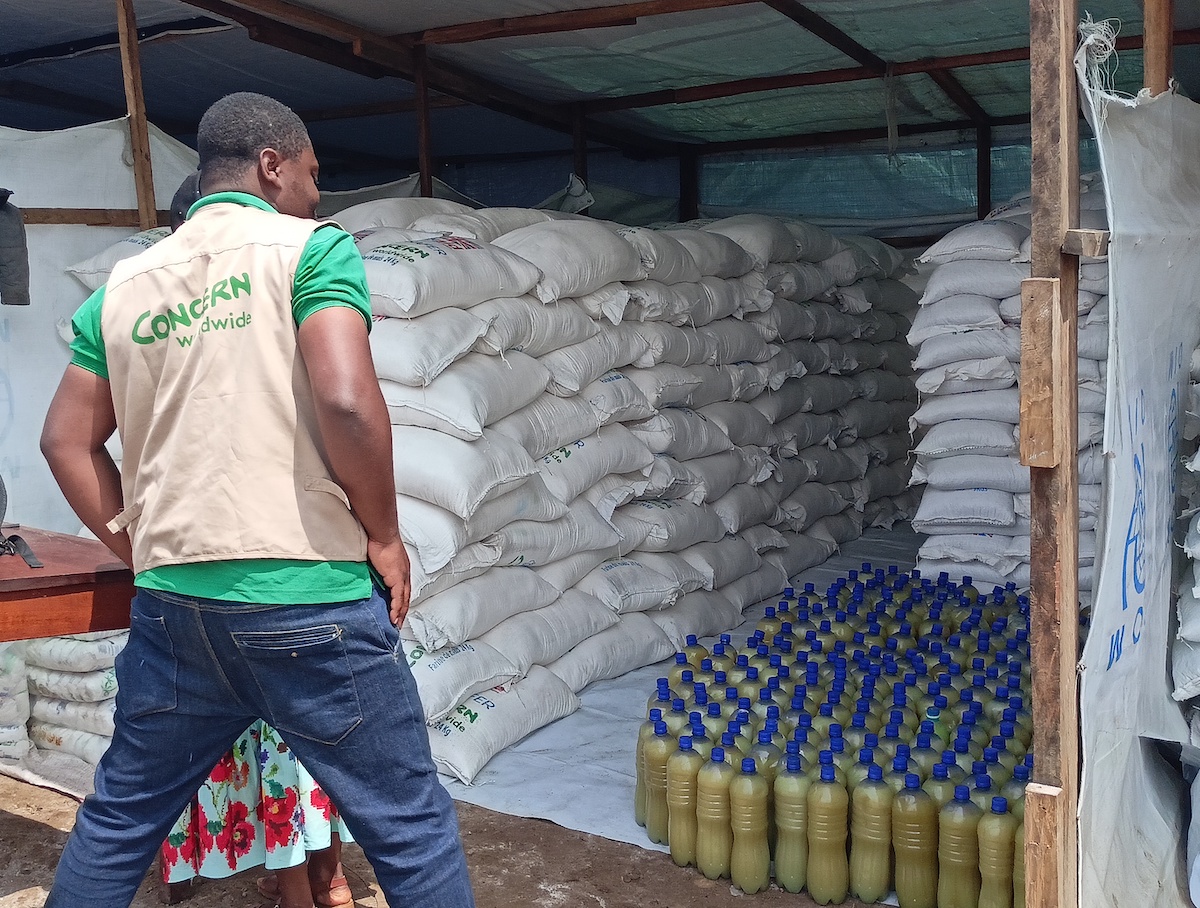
{"x":391,"y":561}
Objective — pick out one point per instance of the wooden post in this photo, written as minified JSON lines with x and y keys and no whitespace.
{"x":1159,"y":25}
{"x":983,"y":170}
{"x":1049,"y":430}
{"x":689,"y":186}
{"x":424,"y":134}
{"x":135,"y":104}
{"x":580,"y":142}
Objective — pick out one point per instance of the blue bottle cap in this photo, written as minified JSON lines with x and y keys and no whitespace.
{"x":764,"y":736}
{"x":718,"y":755}
{"x":656,"y":715}
{"x":962,"y":793}
{"x":875,"y":773}
{"x":793,"y":763}
{"x":686,"y":676}
{"x":681,"y":658}
{"x":747,"y":764}
{"x":685,"y":743}
{"x":731,"y":693}
{"x":866,"y":755}
{"x":870,"y":739}
{"x":791,"y":747}
{"x":903,"y":750}
{"x":825,"y":757}
{"x":690,"y":639}
{"x":999,"y":805}
{"x":941,"y":772}
{"x":743,"y":703}
{"x":983,"y":782}
{"x":677,"y":704}
{"x":714,"y":709}
{"x":828,"y":774}
{"x":912,"y":781}
{"x":660,"y":728}
{"x":1021,"y":772}
{"x":900,"y":764}
{"x":727,"y":738}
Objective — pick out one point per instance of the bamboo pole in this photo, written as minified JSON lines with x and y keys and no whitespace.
{"x":135,"y":102}
{"x":1158,"y":25}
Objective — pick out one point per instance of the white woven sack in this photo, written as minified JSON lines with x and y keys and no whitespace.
{"x":455,"y":474}
{"x":864,"y":418}
{"x":668,"y":478}
{"x":633,"y":642}
{"x":833,"y":323}
{"x":838,"y":528}
{"x":996,"y":241}
{"x":714,"y":383}
{"x":765,"y":582}
{"x":96,"y":718}
{"x":664,"y":258}
{"x":678,"y":346}
{"x":995,"y":280}
{"x":955,"y":315}
{"x":1001,"y":553}
{"x":791,"y":473}
{"x":998,"y":406}
{"x":570,"y":470}
{"x":533,"y":543}
{"x":753,"y":293}
{"x":614,"y":490}
{"x":682,"y":433}
{"x":475,"y":606}
{"x":415,"y":351}
{"x":765,"y":238}
{"x":14,"y":707}
{"x":82,"y":687}
{"x":807,"y":394}
{"x":715,"y":254}
{"x":445,"y":677}
{"x":742,"y":422}
{"x":746,"y":505}
{"x":85,"y":745}
{"x":813,"y":243}
{"x":809,"y":503}
{"x":970,"y":345}
{"x":837,"y":465}
{"x":675,"y":567}
{"x":412,"y":277}
{"x":972,"y":471}
{"x":526,"y":325}
{"x":849,"y":265}
{"x":673,"y":525}
{"x":749,"y":379}
{"x":798,"y":281}
{"x":69,"y":655}
{"x":475,"y":391}
{"x":701,"y":614}
{"x":470,"y":562}
{"x":808,"y":429}
{"x":801,"y":553}
{"x":890,"y":262}
{"x":627,"y":585}
{"x":482,"y":224}
{"x":609,"y":302}
{"x":876,"y":384}
{"x":396,"y":212}
{"x":862,"y":355}
{"x":541,"y":636}
{"x":94,"y":271}
{"x":464,"y":741}
{"x":616,"y":399}
{"x":651,"y":301}
{"x":577,"y":365}
{"x":722,"y":297}
{"x":990,"y":374}
{"x":565,"y":573}
{"x":724,"y":561}
{"x":967,"y":436}
{"x":882,"y":326}
{"x":1010,"y":307}
{"x":896,"y":297}
{"x":575,"y":257}
{"x":716,"y":474}
{"x":663,"y":384}
{"x":792,"y":320}
{"x":548,"y":422}
{"x":734,"y":341}
{"x":961,"y":507}
{"x":888,"y":448}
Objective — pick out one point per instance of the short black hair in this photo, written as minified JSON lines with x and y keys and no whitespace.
{"x":235,"y":129}
{"x":185,"y":197}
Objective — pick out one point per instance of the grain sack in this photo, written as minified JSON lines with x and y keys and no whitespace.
{"x":830,"y":323}
{"x":722,"y":562}
{"x":547,"y":423}
{"x":541,"y":636}
{"x":749,"y":379}
{"x":791,"y":320}
{"x":682,"y":433}
{"x":880,"y":326}
{"x":808,"y":394}
{"x":14,"y":708}
{"x":97,"y":718}
{"x":415,"y":351}
{"x":475,"y":606}
{"x":673,"y":525}
{"x":973,"y":471}
{"x":1010,"y":308}
{"x":609,"y":302}
{"x":746,"y":505}
{"x":85,"y":745}
{"x":533,"y":543}
{"x":454,"y":474}
{"x":889,"y":448}
{"x":849,"y":265}
{"x":627,"y":585}
{"x":715,"y":254}
{"x":565,"y":573}
{"x":714,"y":383}
{"x":810,"y":502}
{"x":782,"y":366}
{"x":483,"y":725}
{"x":474,"y":392}
{"x":797,"y":281}
{"x":898,"y":357}
{"x":967,"y":436}
{"x":575,"y":366}
{"x":994,"y":240}
{"x":959,"y":377}
{"x":663,"y":384}
{"x":813,"y":243}
{"x":445,"y":677}
{"x":896,"y":297}
{"x":570,"y":470}
{"x":859,"y":297}
{"x":414,"y":277}
{"x":481,"y":224}
{"x":1003,"y":554}
{"x":955,"y":315}
{"x":801,"y":553}
{"x":970,"y":345}
{"x":876,"y":384}
{"x":733,"y":341}
{"x":974,"y":507}
{"x":722,"y":298}
{"x":838,"y":528}
{"x":650,"y":301}
{"x":765,"y":582}
{"x":675,"y":567}
{"x":808,"y":429}
{"x":93,"y":272}
{"x":716,"y":474}
{"x":668,"y":478}
{"x":616,"y":399}
{"x":575,"y":257}
{"x":702,"y":614}
{"x":470,"y":562}
{"x":398,"y":212}
{"x":884,"y":481}
{"x":633,"y":642}
{"x":742,"y":422}
{"x":872,"y":417}
{"x":81,"y":687}
{"x":996,"y":406}
{"x":889,"y":262}
{"x":764,"y":538}
{"x":994,"y":280}
{"x":678,"y":346}
{"x":837,"y":465}
{"x":664,"y":258}
{"x":528,"y":326}
{"x":765,"y":238}
{"x":791,"y":473}
{"x":614,"y":490}
{"x":69,"y":655}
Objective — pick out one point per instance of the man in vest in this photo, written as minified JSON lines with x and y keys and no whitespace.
{"x":255,"y":503}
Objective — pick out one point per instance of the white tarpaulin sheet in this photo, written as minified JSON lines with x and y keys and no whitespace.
{"x":1131,"y":801}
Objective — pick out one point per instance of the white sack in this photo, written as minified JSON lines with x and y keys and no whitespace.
{"x":570,"y":470}
{"x":664,"y":258}
{"x":94,"y":272}
{"x":703,"y":614}
{"x":967,"y":436}
{"x":548,"y":422}
{"x":722,"y":562}
{"x":575,"y":257}
{"x":681,"y":433}
{"x":533,"y":543}
{"x":996,"y":241}
{"x":955,"y":315}
{"x":633,"y":642}
{"x":965,"y":507}
{"x":565,"y":573}
{"x":664,"y":384}
{"x":481,"y":224}
{"x":801,"y":553}
{"x":415,"y":351}
{"x":445,"y":677}
{"x":470,"y":562}
{"x":475,"y":606}
{"x":85,"y":745}
{"x":69,"y":655}
{"x":673,"y":525}
{"x":608,"y":302}
{"x":80,"y":687}
{"x":715,"y":254}
{"x":575,"y":366}
{"x":766,"y":582}
{"x":746,"y":505}
{"x":616,"y":399}
{"x":998,"y":406}
{"x":627,"y":585}
{"x":96,"y":718}
{"x":994,"y":280}
{"x":401,"y":213}
{"x":526,"y":325}
{"x":614,"y":490}
{"x":541,"y":636}
{"x":765,"y":238}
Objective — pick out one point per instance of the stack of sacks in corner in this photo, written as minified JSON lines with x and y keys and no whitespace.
{"x":1185,"y":648}
{"x":976,"y":502}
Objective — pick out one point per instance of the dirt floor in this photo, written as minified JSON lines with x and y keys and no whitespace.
{"x":514,"y":862}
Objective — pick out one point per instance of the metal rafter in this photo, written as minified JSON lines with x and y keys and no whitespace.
{"x":179,"y":27}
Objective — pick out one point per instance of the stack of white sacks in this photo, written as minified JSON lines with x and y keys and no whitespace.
{"x":608,"y":438}
{"x":1185,"y":652}
{"x":976,"y":503}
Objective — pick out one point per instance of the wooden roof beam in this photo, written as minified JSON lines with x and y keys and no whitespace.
{"x":829,"y":33}
{"x":570,"y":20}
{"x":178,"y":27}
{"x":956,"y":92}
{"x":376,"y":109}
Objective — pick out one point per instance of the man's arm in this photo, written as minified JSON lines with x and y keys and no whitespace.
{"x":353,"y":422}
{"x":79,"y":422}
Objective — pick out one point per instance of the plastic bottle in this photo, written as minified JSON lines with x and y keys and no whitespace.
{"x":722,"y":657}
{"x":997,"y":843}
{"x":1013,"y":791}
{"x":1019,"y":868}
{"x":750,"y":685}
{"x":939,"y":785}
{"x":828,"y":867}
{"x":791,"y":825}
{"x":657,"y":751}
{"x":677,"y":719}
{"x":861,"y":769}
{"x":682,"y":767}
{"x":674,"y":676}
{"x":982,"y":792}
{"x":871,"y":837}
{"x":694,"y":652}
{"x":958,"y":851}
{"x":750,"y":856}
{"x":914,"y":841}
{"x":714,"y":835}
{"x":663,"y":695}
{"x":923,"y":756}
{"x":645,"y":733}
{"x":898,"y":774}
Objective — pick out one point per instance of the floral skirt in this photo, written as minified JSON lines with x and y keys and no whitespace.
{"x":259,"y":807}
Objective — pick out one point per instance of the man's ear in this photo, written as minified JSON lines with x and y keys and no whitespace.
{"x":268,"y":167}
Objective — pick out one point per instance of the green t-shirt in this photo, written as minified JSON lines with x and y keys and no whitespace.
{"x":329,"y":273}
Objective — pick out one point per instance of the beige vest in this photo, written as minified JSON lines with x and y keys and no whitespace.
{"x":221,"y":457}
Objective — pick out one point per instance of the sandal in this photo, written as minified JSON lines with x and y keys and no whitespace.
{"x":336,"y":895}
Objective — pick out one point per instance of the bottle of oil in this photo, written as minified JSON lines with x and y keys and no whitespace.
{"x":939,"y":785}
{"x":682,"y":767}
{"x":958,"y":852}
{"x":657,"y":751}
{"x":860,"y":770}
{"x":791,"y":825}
{"x":645,"y":733}
{"x":675,"y":675}
{"x":997,"y":843}
{"x":694,"y":652}
{"x":1013,"y":791}
{"x":677,"y":719}
{"x":923,"y":756}
{"x":914,"y":840}
{"x":828,"y":867}
{"x":714,"y":835}
{"x":750,"y":857}
{"x":871,"y":837}
{"x":1019,"y":868}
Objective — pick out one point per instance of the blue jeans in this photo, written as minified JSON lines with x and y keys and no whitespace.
{"x":334,"y":682}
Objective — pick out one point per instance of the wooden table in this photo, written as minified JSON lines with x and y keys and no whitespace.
{"x":83,"y":587}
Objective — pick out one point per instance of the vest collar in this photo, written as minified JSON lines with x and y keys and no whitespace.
{"x":236,"y":198}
